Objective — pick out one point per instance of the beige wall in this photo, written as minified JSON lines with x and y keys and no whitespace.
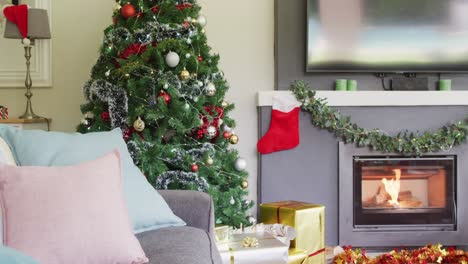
{"x":240,"y":31}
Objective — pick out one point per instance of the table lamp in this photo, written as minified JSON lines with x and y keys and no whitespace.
{"x":37,"y":22}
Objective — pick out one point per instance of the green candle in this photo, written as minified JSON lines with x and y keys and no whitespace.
{"x":340,"y":85}
{"x":352,"y":85}
{"x":445,"y":85}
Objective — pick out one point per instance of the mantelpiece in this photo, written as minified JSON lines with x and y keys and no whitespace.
{"x":380,"y":98}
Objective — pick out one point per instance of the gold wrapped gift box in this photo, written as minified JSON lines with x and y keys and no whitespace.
{"x":309,"y":223}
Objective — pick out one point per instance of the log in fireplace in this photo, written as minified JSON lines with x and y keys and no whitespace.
{"x":389,"y":200}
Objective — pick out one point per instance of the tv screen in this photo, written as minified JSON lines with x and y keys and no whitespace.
{"x":387,"y":36}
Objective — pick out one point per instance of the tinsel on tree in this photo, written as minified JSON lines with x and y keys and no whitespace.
{"x":158,"y":81}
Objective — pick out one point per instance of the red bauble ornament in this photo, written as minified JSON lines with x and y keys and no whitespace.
{"x":105,"y":116}
{"x":186,"y":24}
{"x":166,"y":96}
{"x":128,"y":10}
{"x":194,"y":168}
{"x":226,"y":135}
{"x":200,"y":58}
{"x":155,"y":9}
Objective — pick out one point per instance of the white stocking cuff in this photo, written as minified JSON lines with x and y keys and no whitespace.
{"x":285,"y":103}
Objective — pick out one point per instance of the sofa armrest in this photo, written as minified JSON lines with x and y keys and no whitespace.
{"x":195,"y":208}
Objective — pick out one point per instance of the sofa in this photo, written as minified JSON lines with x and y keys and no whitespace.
{"x":193,"y":243}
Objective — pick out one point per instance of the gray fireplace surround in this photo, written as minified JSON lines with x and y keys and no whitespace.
{"x":310,"y":172}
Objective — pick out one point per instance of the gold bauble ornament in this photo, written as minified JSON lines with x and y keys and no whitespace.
{"x":209,"y":161}
{"x":224,"y":104}
{"x":127,"y":76}
{"x":245,"y":185}
{"x":139,"y":125}
{"x":234,"y":139}
{"x":184,"y":75}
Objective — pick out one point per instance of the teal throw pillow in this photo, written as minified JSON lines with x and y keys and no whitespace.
{"x":11,"y":256}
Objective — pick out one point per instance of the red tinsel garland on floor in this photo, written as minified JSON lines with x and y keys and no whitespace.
{"x":430,"y":254}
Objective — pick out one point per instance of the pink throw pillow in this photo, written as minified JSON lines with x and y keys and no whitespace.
{"x":73,"y":214}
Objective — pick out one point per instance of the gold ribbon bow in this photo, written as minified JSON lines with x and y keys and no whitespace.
{"x":250,"y":242}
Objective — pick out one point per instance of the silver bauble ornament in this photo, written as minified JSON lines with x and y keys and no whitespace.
{"x":232,"y":201}
{"x":89,"y":115}
{"x":189,"y":41}
{"x":186,"y":106}
{"x":210,"y":89}
{"x":187,"y":55}
{"x":209,"y":161}
{"x":107,"y":73}
{"x":172,"y":59}
{"x":252,"y":220}
{"x":117,"y":7}
{"x":240,"y":164}
{"x":84,"y":121}
{"x":166,"y":85}
{"x":211,"y":132}
{"x":224,"y":104}
{"x":202,"y":20}
{"x":226,"y":128}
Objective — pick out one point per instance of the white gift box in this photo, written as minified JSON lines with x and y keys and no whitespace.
{"x":269,"y":250}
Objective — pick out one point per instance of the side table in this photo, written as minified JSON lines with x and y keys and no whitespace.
{"x":28,"y":124}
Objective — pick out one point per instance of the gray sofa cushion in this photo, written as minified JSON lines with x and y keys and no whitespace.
{"x":179,"y":245}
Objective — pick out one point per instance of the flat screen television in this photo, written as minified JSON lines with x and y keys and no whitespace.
{"x":387,"y":36}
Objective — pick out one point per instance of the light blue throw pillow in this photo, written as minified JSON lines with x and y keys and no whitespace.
{"x":11,"y":256}
{"x":147,"y":209}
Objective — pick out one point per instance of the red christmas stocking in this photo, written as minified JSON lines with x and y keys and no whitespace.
{"x":284,"y":126}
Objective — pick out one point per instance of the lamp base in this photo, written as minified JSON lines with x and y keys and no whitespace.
{"x":29,"y":113}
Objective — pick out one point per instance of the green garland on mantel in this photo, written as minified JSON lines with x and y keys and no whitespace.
{"x":405,"y":142}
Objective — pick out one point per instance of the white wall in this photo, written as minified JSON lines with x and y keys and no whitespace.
{"x":242,"y":32}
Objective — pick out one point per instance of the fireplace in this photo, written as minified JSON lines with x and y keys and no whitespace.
{"x":388,"y":200}
{"x":395,"y":193}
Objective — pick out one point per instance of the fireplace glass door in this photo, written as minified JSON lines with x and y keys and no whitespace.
{"x":398,"y":193}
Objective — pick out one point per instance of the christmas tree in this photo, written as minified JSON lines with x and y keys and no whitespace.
{"x":157,"y":80}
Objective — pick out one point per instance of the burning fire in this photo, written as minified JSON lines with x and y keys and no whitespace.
{"x":393,"y":188}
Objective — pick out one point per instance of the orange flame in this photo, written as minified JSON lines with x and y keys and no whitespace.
{"x":393,"y":187}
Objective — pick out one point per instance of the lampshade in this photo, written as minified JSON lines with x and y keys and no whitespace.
{"x":38,"y":26}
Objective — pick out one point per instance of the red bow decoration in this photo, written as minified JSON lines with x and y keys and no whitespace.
{"x":19,"y":16}
{"x":184,"y":5}
{"x":134,"y":49}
